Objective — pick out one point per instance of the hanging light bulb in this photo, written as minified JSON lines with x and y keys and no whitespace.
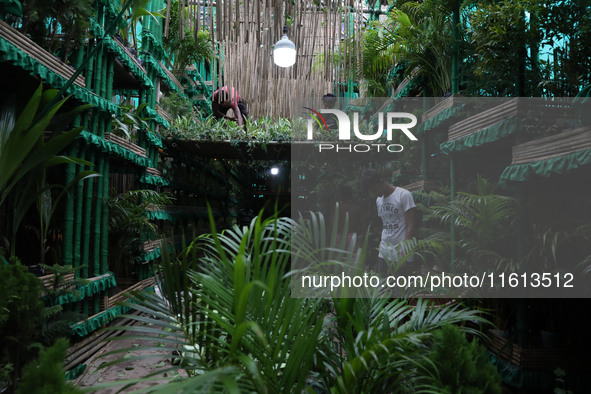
{"x":284,"y":52}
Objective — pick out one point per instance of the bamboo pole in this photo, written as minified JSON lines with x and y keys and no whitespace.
{"x":167,"y":19}
{"x":104,"y":234}
{"x":104,"y":73}
{"x":99,"y":218}
{"x":181,"y":31}
{"x":89,"y":68}
{"x":78,"y":220}
{"x":69,"y":213}
{"x":110,"y":76}
{"x":96,"y":86}
{"x":87,"y":218}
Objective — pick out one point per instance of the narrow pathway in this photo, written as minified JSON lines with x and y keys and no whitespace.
{"x":125,"y":370}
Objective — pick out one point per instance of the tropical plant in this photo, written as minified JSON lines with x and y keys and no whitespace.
{"x":46,"y":375}
{"x":260,"y":130}
{"x":500,"y":34}
{"x":59,"y":26}
{"x":417,"y":36}
{"x":26,"y":324}
{"x":25,"y":156}
{"x":458,"y":366}
{"x":137,"y":9}
{"x":484,"y":225}
{"x":130,"y":227}
{"x":183,"y":45}
{"x":231,"y":322}
{"x":177,"y":106}
{"x":131,"y":121}
{"x":566,"y":28}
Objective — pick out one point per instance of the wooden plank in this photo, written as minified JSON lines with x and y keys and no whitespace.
{"x":124,"y":295}
{"x":504,"y":349}
{"x":125,"y":144}
{"x":483,"y":120}
{"x":32,"y":49}
{"x":88,"y":347}
{"x":171,"y":76}
{"x":448,"y":102}
{"x":422,"y":186}
{"x":154,"y":171}
{"x":130,"y":55}
{"x":150,"y":245}
{"x":163,"y":113}
{"x":552,"y":146}
{"x":48,"y":281}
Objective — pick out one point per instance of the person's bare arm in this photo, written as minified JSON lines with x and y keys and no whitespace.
{"x":238,"y":114}
{"x":410,"y":217}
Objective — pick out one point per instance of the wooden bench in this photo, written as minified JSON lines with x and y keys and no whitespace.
{"x":35,"y":51}
{"x":552,"y":146}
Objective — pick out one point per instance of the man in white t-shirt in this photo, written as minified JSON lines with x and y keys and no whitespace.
{"x":397,"y":210}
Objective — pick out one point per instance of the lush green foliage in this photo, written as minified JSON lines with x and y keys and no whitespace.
{"x":559,"y":23}
{"x":131,"y":121}
{"x":129,"y":227}
{"x":485,"y":228}
{"x":177,"y":106}
{"x":26,"y":324}
{"x":21,"y":313}
{"x":46,"y":375}
{"x":25,"y":157}
{"x":500,"y":35}
{"x":59,"y":26}
{"x":417,"y":35}
{"x":458,"y":366}
{"x":137,"y":10}
{"x":506,"y":48}
{"x":186,"y":48}
{"x":234,"y":325}
{"x":212,"y":129}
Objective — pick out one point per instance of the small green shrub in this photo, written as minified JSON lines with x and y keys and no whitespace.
{"x":46,"y":375}
{"x":177,"y":105}
{"x":261,"y":130}
{"x":459,"y":366}
{"x":21,"y":318}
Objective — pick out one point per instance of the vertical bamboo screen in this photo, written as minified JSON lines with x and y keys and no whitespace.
{"x":244,"y":33}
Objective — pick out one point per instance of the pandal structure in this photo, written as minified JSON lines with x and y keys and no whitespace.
{"x":327,"y":37}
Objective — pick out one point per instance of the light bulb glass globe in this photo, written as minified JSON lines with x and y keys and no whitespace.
{"x":284,"y":52}
{"x":274,"y":170}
